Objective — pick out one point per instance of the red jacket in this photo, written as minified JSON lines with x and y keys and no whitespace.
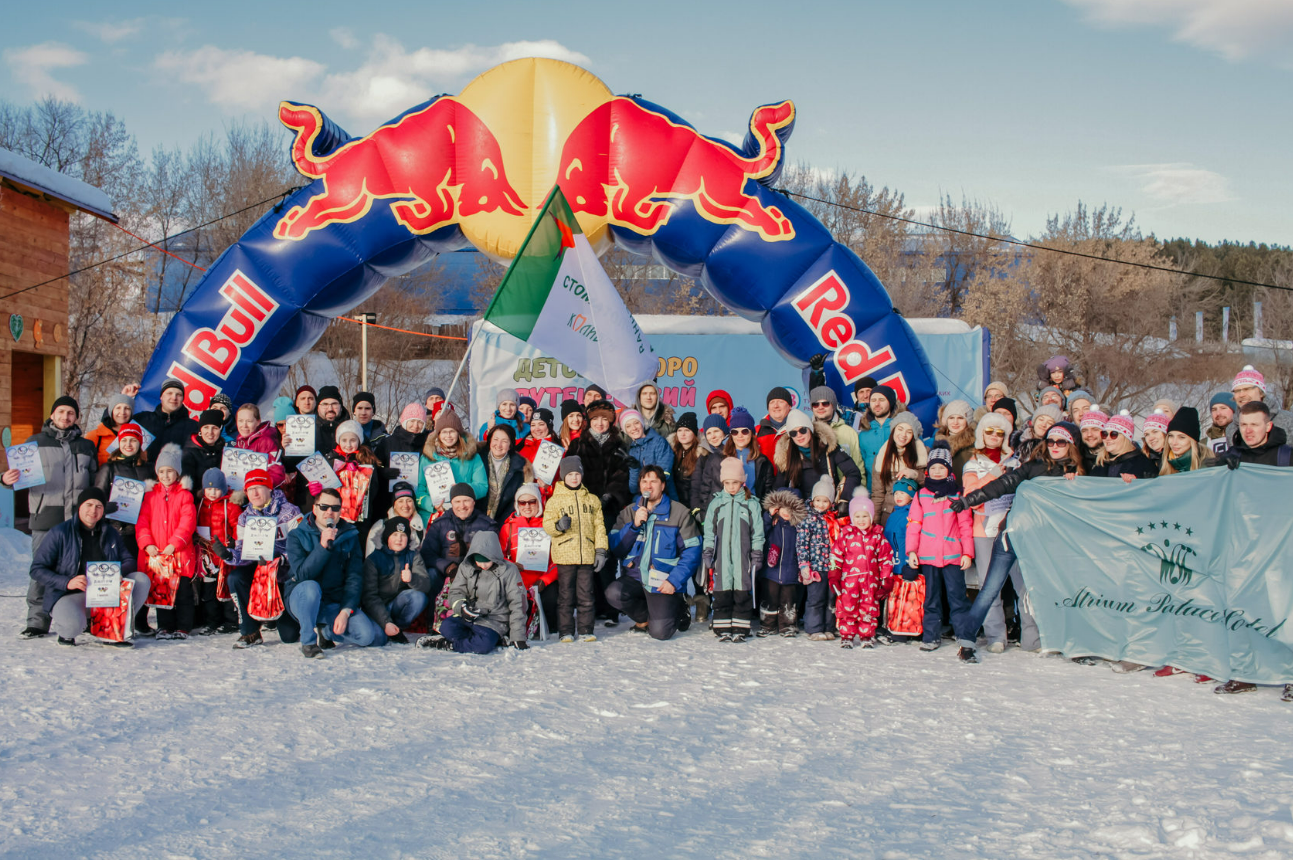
{"x":266,"y":440}
{"x":221,"y":517}
{"x":766,"y":435}
{"x":167,"y":517}
{"x":507,"y":535}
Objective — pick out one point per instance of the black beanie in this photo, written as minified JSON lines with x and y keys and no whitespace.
{"x":1007,"y":404}
{"x":688,"y":420}
{"x":888,"y":394}
{"x":568,"y":406}
{"x":780,"y":393}
{"x":363,"y":397}
{"x":92,"y":494}
{"x":211,"y":416}
{"x":329,"y":392}
{"x":596,"y":388}
{"x":461,"y":489}
{"x":1186,"y":420}
{"x":66,"y":401}
{"x":545,"y":415}
{"x":867,"y":382}
{"x":172,"y":383}
{"x":395,"y":525}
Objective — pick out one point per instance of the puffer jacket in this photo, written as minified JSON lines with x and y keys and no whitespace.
{"x":860,"y":554}
{"x":103,"y":436}
{"x":497,"y":593}
{"x":167,"y":516}
{"x":166,"y":427}
{"x":399,"y":440}
{"x":1132,"y":462}
{"x":383,"y":581}
{"x":733,"y":530}
{"x":587,"y":532}
{"x":448,"y":538}
{"x":58,"y":558}
{"x":221,"y":517}
{"x":197,"y":457}
{"x":606,"y":471}
{"x":938,"y":535}
{"x":781,"y":537}
{"x":759,"y":476}
{"x":69,"y":462}
{"x":668,"y":541}
{"x":266,"y":440}
{"x":813,"y":544}
{"x":871,"y":439}
{"x":338,"y":567}
{"x":651,"y":450}
{"x":848,"y":441}
{"x":833,"y":463}
{"x":377,"y":534}
{"x":507,"y":536}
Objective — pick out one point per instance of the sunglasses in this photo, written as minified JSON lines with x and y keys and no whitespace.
{"x":742,"y":432}
{"x":527,"y":503}
{"x":801,"y":431}
{"x":1000,"y":433}
{"x":1109,"y":434}
{"x":1056,"y":443}
{"x":321,"y":506}
{"x":817,"y":403}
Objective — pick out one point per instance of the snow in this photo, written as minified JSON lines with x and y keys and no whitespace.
{"x":82,"y":195}
{"x":626,"y":747}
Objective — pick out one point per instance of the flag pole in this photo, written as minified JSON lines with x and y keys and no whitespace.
{"x":458,"y":373}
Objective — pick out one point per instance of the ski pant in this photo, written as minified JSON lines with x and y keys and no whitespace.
{"x":949,"y":581}
{"x":69,"y":615}
{"x":216,"y":612}
{"x":181,"y":615}
{"x":1004,"y":564}
{"x":307,"y":606}
{"x":778,"y":609}
{"x":857,"y":607}
{"x":404,"y":610}
{"x":815,"y":606}
{"x":239,"y":580}
{"x":37,"y":617}
{"x":467,"y":638}
{"x":575,"y":583}
{"x":733,"y":611}
{"x":660,"y":612}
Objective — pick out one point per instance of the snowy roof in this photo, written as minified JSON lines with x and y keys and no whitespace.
{"x":38,"y":177}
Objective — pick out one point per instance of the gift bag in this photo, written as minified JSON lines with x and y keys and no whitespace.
{"x":266,"y":600}
{"x":164,"y":577}
{"x":115,"y":623}
{"x":213,"y":569}
{"x":904,"y":613}
{"x":354,"y":492}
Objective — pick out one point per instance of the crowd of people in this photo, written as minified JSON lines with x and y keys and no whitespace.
{"x":851,"y":523}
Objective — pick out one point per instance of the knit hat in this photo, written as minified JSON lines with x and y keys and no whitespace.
{"x":395,"y":525}
{"x":448,"y":420}
{"x":1157,"y":421}
{"x":349,"y":428}
{"x":1079,"y":394}
{"x":528,"y":401}
{"x":1052,"y":389}
{"x":66,"y":401}
{"x":1008,"y":404}
{"x":740,"y":419}
{"x":721,"y":395}
{"x":460,"y":489}
{"x":888,"y":394}
{"x":211,"y":418}
{"x":92,"y":494}
{"x":905,"y":485}
{"x":796,"y":419}
{"x":868,"y":382}
{"x":716,"y":420}
{"x":213,"y":479}
{"x":991,"y":421}
{"x":1066,"y":431}
{"x":222,"y":399}
{"x":131,"y":431}
{"x":781,"y":393}
{"x":1051,"y":411}
{"x":413,"y":412}
{"x":1225,"y":398}
{"x":1166,"y":406}
{"x":910,"y":419}
{"x":1094,"y":418}
{"x":433,"y":390}
{"x":688,"y":420}
{"x":122,"y":400}
{"x":329,"y":392}
{"x":598,"y":407}
{"x":632,"y":415}
{"x":821,"y":393}
{"x":506,"y":395}
{"x":570,"y":464}
{"x":259,"y":478}
{"x":996,"y":385}
{"x":570,"y":405}
{"x":1121,"y":423}
{"x":282,"y":408}
{"x":363,"y":397}
{"x":939,"y":452}
{"x":824,"y":488}
{"x":1186,"y":420}
{"x":170,"y":457}
{"x":959,"y":407}
{"x":172,"y":382}
{"x":544,"y":415}
{"x":529,"y":490}
{"x":1057,"y":362}
{"x":597,"y":389}
{"x":401,"y":490}
{"x":309,"y":388}
{"x":731,"y":469}
{"x":1249,"y":376}
{"x":861,"y":501}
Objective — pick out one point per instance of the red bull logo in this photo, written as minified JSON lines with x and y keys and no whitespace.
{"x":652,"y":160}
{"x":822,"y":306}
{"x":441,"y":162}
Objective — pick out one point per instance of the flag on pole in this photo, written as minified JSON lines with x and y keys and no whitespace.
{"x":556,"y":297}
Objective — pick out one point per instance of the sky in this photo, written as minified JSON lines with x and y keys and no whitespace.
{"x":1178,"y":111}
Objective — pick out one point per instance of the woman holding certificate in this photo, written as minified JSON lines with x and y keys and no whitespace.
{"x":448,"y":458}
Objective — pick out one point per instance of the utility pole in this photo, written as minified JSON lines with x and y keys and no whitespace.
{"x":365,"y":320}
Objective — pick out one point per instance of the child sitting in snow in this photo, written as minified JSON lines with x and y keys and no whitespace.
{"x":733,"y":552}
{"x":813,"y":543}
{"x":861,"y":563}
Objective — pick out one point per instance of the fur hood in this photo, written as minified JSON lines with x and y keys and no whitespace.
{"x":788,"y":500}
{"x":824,"y":433}
{"x":466,"y":447}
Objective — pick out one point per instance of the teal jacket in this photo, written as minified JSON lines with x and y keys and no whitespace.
{"x":733,"y":529}
{"x":465,"y":471}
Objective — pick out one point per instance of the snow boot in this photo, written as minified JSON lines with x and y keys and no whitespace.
{"x":1167,"y":672}
{"x":567,"y":639}
{"x":997,"y":648}
{"x":967,"y":655}
{"x":63,"y":641}
{"x":741,"y":637}
{"x":819,"y":637}
{"x":310,"y":650}
{"x":324,"y":642}
{"x":588,"y":637}
{"x":847,"y":644}
{"x":885,"y":639}
{"x":725,"y":636}
{"x":438,"y":641}
{"x":1287,"y":695}
{"x":930,"y":646}
{"x":1126,"y":667}
{"x":867,"y":643}
{"x":399,"y":639}
{"x":249,"y":641}
{"x":33,"y":633}
{"x":1231,"y":687}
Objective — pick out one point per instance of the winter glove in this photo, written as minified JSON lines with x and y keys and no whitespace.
{"x":599,"y":560}
{"x":1232,"y":458}
{"x":818,"y":361}
{"x":563,"y":524}
{"x":756,"y":560}
{"x":521,"y":645}
{"x":467,"y":609}
{"x":635,"y":463}
{"x":222,"y":552}
{"x":707,"y":559}
{"x":958,"y":505}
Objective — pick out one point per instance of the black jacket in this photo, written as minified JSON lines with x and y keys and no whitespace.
{"x":448,"y":538}
{"x":710,"y":485}
{"x":1128,"y":463}
{"x":197,"y":457}
{"x":833,"y":462}
{"x":325,"y":432}
{"x":399,"y":440}
{"x":606,"y":471}
{"x":383,"y":582}
{"x":518,"y":472}
{"x":175,"y":427}
{"x":59,"y":557}
{"x":1266,"y":454}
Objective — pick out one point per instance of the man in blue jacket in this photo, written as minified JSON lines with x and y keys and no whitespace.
{"x":59,"y":565}
{"x":661,"y":546}
{"x":327,"y":584}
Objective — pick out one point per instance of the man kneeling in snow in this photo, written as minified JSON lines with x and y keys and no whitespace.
{"x":488,"y":602}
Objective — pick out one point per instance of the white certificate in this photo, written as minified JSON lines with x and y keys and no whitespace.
{"x":532,"y":547}
{"x":546,"y":461}
{"x":26,"y":459}
{"x":655,"y":579}
{"x":258,"y":538}
{"x":237,"y":462}
{"x":298,"y":436}
{"x":316,"y":469}
{"x":102,"y":584}
{"x":439,"y":478}
{"x":127,"y":494}
{"x":407,"y":463}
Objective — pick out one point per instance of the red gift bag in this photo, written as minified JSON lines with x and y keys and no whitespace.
{"x":354,"y":492}
{"x":116,"y":624}
{"x":266,"y":600}
{"x":904,"y":613}
{"x":164,"y":576}
{"x":214,"y":568}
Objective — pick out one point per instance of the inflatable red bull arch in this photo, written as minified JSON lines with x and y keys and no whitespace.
{"x":473,"y":169}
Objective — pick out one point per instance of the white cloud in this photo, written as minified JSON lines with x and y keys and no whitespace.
{"x":1175,"y":184}
{"x":1235,"y":29}
{"x":242,"y":79}
{"x":110,"y":32}
{"x":344,"y":37}
{"x":32,"y":66}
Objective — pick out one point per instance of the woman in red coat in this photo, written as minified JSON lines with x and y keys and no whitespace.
{"x":529,"y":515}
{"x":167,"y":520}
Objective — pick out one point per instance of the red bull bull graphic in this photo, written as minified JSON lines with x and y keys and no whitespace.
{"x":476,"y":165}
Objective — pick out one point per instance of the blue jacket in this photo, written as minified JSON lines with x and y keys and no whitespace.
{"x":651,"y":450}
{"x":448,"y":538}
{"x":895,"y":532}
{"x":668,"y":541}
{"x":59,"y":557}
{"x":517,"y":424}
{"x":339,"y":568}
{"x":872,"y":440}
{"x":780,"y":551}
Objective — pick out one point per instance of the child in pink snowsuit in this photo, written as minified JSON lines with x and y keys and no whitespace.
{"x":861,"y":563}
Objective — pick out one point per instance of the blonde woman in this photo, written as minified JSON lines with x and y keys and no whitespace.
{"x":1184,"y":453}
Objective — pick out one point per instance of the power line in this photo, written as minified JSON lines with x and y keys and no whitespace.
{"x":1022,"y":244}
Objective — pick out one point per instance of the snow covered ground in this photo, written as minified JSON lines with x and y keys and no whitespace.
{"x":623,"y":748}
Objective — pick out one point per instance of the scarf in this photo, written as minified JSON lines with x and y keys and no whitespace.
{"x":940,"y":488}
{"x":599,"y":438}
{"x":993,"y":454}
{"x":1181,"y":463}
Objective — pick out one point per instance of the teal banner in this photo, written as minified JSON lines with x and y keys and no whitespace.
{"x":1193,"y":570}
